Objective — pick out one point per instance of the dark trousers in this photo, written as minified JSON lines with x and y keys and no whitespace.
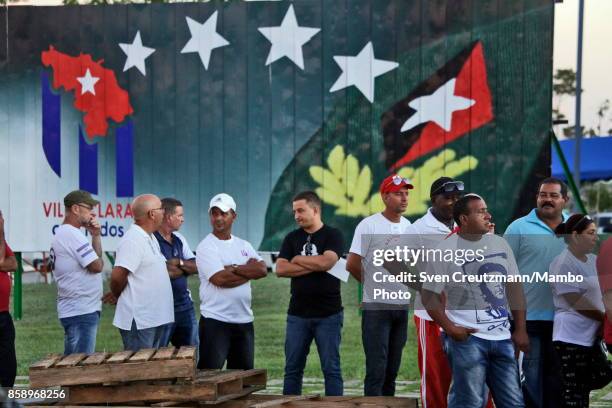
{"x":221,"y":342}
{"x":575,"y":374}
{"x":542,"y":386}
{"x":384,"y":334}
{"x":8,"y":357}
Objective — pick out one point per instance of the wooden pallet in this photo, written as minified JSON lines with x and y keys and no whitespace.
{"x":208,"y":387}
{"x":281,"y":401}
{"x":103,"y":368}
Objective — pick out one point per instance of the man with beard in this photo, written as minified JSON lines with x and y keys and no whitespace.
{"x":384,"y":325}
{"x":226,"y":265}
{"x":315,"y":308}
{"x":534,"y":245}
{"x":77,"y":264}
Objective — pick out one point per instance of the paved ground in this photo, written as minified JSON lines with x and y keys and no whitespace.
{"x":599,"y":399}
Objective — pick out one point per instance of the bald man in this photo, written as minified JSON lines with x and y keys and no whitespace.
{"x":140,"y":281}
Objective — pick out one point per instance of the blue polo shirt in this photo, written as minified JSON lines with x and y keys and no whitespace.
{"x":177,"y":249}
{"x":535,"y":246}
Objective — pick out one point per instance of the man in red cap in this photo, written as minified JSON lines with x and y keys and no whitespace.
{"x":8,"y":361}
{"x":384,"y":324}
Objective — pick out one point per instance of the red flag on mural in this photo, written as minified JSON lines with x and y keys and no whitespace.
{"x":448,"y":105}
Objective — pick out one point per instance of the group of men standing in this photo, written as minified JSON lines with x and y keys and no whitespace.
{"x":466,"y":356}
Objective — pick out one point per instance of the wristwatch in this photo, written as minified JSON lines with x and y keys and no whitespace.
{"x":235,"y":266}
{"x":181,"y":263}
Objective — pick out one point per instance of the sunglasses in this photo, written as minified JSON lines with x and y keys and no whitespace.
{"x":450,"y":187}
{"x":397,"y":180}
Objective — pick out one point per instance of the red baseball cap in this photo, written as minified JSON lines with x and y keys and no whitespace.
{"x":394,"y":183}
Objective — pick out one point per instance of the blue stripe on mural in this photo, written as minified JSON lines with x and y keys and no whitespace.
{"x":51,"y":121}
{"x":125,"y":160}
{"x":88,"y":164}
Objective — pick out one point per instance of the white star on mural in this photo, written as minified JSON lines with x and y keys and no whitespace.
{"x":287,"y":39}
{"x":88,"y":82}
{"x":136,"y":54}
{"x":437,"y":107}
{"x":361,"y":71}
{"x":204,"y":38}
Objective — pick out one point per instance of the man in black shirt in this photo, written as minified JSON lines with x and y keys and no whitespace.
{"x":315,"y":308}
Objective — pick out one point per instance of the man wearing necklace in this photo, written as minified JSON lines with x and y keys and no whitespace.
{"x":180,"y":262}
{"x":315,"y":309}
{"x":534,"y":245}
{"x":384,"y":324}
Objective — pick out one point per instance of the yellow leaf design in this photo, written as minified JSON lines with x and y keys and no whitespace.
{"x":335,"y":161}
{"x":363,"y":185}
{"x":347,"y":188}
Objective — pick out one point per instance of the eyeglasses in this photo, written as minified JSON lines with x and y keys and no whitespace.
{"x":397,"y":180}
{"x":449,"y":187}
{"x":86,"y":206}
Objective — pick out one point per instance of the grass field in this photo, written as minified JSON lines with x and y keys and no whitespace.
{"x":40,"y":333}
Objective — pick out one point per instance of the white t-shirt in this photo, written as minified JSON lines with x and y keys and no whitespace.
{"x":147,"y":298}
{"x":569,"y":325}
{"x":78,"y":291}
{"x":378,"y":227}
{"x":431,"y":232}
{"x":230,"y":305}
{"x":479,"y":305}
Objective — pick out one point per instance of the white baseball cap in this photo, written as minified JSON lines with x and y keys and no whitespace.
{"x":222,"y":201}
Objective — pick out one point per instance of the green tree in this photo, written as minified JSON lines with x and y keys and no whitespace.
{"x":601,"y":113}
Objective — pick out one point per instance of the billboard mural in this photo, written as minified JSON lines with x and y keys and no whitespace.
{"x":263,"y":99}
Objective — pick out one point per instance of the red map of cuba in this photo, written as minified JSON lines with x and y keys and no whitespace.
{"x":110,"y":100}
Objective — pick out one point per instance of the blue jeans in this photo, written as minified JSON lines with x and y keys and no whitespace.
{"x":80,"y":333}
{"x":542,"y":371}
{"x":326,"y":332}
{"x":184,"y":330}
{"x":476,"y":363}
{"x":135,"y":339}
{"x":384,"y":334}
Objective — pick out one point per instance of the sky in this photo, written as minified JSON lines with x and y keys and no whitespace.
{"x":596,"y":59}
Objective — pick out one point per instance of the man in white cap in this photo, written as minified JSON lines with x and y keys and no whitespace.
{"x":226,"y":265}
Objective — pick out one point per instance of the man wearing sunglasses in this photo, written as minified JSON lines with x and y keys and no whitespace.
{"x":77,"y":264}
{"x":432,"y":228}
{"x":384,"y":325}
{"x":140,"y":281}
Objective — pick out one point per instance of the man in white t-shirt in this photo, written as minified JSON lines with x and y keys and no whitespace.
{"x":226,"y":265}
{"x":475,"y":270}
{"x":140,"y":281}
{"x":384,"y":324}
{"x":77,"y":264}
